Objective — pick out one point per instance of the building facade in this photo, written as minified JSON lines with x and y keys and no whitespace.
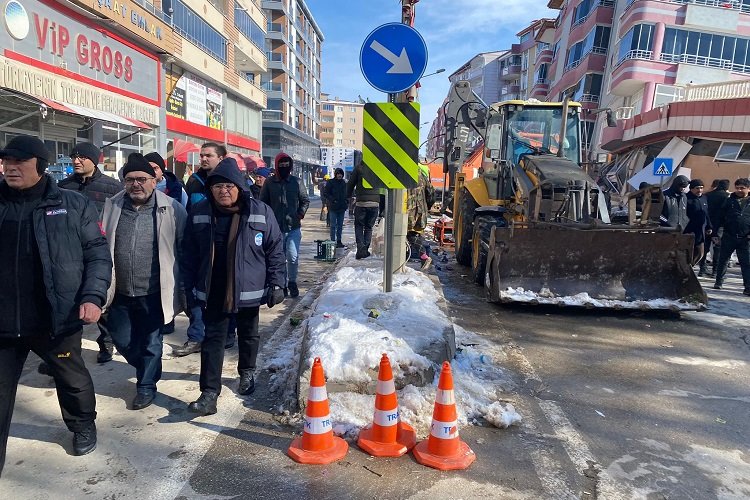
{"x":341,"y":123}
{"x":482,"y":72}
{"x":291,"y":122}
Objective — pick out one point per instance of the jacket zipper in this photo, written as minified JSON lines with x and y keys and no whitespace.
{"x":131,"y":292}
{"x":18,"y":286}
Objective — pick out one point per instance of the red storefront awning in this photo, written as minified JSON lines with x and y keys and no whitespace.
{"x":95,"y":114}
{"x":182,"y":148}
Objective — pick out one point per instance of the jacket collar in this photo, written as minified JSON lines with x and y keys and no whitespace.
{"x":161,"y":200}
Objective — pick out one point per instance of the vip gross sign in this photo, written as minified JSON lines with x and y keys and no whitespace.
{"x":393,"y":57}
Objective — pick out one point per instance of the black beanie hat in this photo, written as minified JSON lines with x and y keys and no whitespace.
{"x":87,"y":150}
{"x":681,"y":181}
{"x":156,"y":158}
{"x":695,"y":183}
{"x":137,"y":163}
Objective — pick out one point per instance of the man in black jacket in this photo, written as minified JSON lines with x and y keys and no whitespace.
{"x":734,"y":231}
{"x":211,"y":154}
{"x":233,"y":263}
{"x":287,"y":197}
{"x":674,"y":210}
{"x":88,"y":180}
{"x":699,"y":224}
{"x":55,"y":278}
{"x":715,"y":199}
{"x":335,"y":195}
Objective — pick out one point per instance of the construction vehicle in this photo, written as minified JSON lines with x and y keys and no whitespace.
{"x":534,"y":226}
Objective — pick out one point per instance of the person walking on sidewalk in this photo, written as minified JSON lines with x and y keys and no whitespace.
{"x":166,"y":181}
{"x":716,"y":199}
{"x":674,"y":209}
{"x":418,"y":204}
{"x":368,"y":207}
{"x":699,"y":223}
{"x":144,"y":228}
{"x":335,"y":192}
{"x":734,"y":231}
{"x":286,"y":196}
{"x":88,"y":180}
{"x":261,"y":174}
{"x":55,"y":276}
{"x":211,"y":155}
{"x":234,"y":262}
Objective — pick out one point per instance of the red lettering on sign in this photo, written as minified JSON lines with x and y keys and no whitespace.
{"x":82,"y":50}
{"x":118,"y":64}
{"x":107,"y":60}
{"x":41,"y":31}
{"x":95,"y":63}
{"x":64,"y":39}
{"x":128,"y":69}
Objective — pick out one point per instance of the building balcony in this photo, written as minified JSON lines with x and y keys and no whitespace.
{"x":276,"y":61}
{"x":544,"y":56}
{"x":510,"y":72}
{"x":276,"y":31}
{"x":590,"y":60}
{"x":594,"y":12}
{"x":275,"y":5}
{"x":272,"y":87}
{"x":248,"y":57}
{"x":252,"y":92}
{"x":540,"y":89}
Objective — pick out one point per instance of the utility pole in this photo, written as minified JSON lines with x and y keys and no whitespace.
{"x":396,"y":217}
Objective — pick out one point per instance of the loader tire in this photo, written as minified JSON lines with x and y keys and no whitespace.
{"x":483,"y":225}
{"x":465,"y":227}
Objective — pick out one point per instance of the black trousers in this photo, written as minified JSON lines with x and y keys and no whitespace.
{"x":104,"y":339}
{"x":728,"y":245}
{"x":364,"y":220}
{"x":212,"y":348}
{"x":75,"y":390}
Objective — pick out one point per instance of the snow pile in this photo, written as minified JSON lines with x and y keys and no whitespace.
{"x":480,"y":385}
{"x":585,"y":300}
{"x":354,"y":323}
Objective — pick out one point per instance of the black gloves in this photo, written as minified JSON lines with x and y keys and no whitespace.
{"x":275,"y":297}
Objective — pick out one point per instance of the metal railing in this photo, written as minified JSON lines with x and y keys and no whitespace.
{"x":743,"y":7}
{"x":636,"y":54}
{"x":272,"y":87}
{"x":713,"y":91}
{"x":275,"y":57}
{"x":600,"y":3}
{"x":587,"y":98}
{"x":275,"y":28}
{"x":712,"y":62}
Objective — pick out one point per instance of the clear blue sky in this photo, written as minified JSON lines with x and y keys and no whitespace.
{"x":455,"y":31}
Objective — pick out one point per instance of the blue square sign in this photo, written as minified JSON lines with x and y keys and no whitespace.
{"x":663,"y":166}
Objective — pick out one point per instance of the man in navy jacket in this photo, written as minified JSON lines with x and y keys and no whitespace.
{"x":233,"y":263}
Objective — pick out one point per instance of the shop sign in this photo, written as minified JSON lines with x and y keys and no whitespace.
{"x":135,"y":19}
{"x":50,"y":37}
{"x":34,"y":82}
{"x":194,"y":101}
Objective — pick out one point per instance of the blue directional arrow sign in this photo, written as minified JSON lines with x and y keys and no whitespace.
{"x":663,"y":166}
{"x":393,"y":57}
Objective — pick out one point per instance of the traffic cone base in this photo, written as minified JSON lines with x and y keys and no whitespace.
{"x":406,"y":438}
{"x":336,"y":452}
{"x":461,"y":460}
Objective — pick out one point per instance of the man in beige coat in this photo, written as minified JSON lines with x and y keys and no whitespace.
{"x":144,"y":230}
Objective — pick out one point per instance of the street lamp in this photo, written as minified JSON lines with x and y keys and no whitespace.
{"x":434,"y":73}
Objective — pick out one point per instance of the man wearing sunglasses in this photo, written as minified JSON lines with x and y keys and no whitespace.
{"x":144,"y":230}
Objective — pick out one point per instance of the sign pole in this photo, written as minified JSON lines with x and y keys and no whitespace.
{"x":390,"y":216}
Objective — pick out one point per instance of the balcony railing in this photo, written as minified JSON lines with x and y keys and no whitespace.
{"x":711,"y":62}
{"x":600,"y":3}
{"x":713,"y":91}
{"x":273,"y":115}
{"x":724,"y":4}
{"x":275,"y":57}
{"x":272,"y":86}
{"x":275,"y":28}
{"x":588,"y":98}
{"x":636,"y":54}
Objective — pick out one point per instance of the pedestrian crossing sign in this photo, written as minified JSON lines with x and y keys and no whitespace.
{"x":663,"y":166}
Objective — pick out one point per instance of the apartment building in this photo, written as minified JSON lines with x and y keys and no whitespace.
{"x":482,"y":72}
{"x":531,"y":40}
{"x":291,"y":123}
{"x":341,"y":122}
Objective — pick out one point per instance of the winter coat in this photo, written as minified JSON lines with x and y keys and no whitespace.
{"x":255,"y":190}
{"x":76,"y":265}
{"x":172,"y":187}
{"x":674,"y":210}
{"x":716,"y":200}
{"x":698,"y":220}
{"x":288,"y":200}
{"x":171,"y":218}
{"x":260,"y":262}
{"x":195,"y":187}
{"x":734,"y":218}
{"x":419,"y":202}
{"x":335,"y":195}
{"x":356,"y":185}
{"x":96,"y":188}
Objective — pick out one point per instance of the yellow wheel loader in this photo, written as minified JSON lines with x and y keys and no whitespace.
{"x":534,"y":227}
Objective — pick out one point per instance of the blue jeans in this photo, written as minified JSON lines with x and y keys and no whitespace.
{"x":196,"y":331}
{"x":337,"y":224}
{"x":292,"y":240}
{"x":135,"y":325}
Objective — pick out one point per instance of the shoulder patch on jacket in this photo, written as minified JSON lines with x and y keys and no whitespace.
{"x":57,"y":211}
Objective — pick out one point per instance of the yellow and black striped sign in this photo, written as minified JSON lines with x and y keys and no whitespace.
{"x":390,"y":150}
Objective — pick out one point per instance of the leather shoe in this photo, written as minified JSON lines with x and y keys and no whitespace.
{"x":247,"y":383}
{"x":104,"y":356}
{"x":143,"y":400}
{"x":293,"y":290}
{"x":205,"y":404}
{"x":188,"y":347}
{"x":84,"y":441}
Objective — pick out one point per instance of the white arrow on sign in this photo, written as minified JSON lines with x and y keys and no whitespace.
{"x":400,"y":63}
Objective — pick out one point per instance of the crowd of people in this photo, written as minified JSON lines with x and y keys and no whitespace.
{"x":718,"y":220}
{"x":130,"y":255}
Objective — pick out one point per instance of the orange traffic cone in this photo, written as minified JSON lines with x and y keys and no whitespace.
{"x":388,"y":436}
{"x":443,"y":449}
{"x":317,"y":445}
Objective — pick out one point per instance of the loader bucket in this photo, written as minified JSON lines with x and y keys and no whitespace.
{"x":611,"y":268}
